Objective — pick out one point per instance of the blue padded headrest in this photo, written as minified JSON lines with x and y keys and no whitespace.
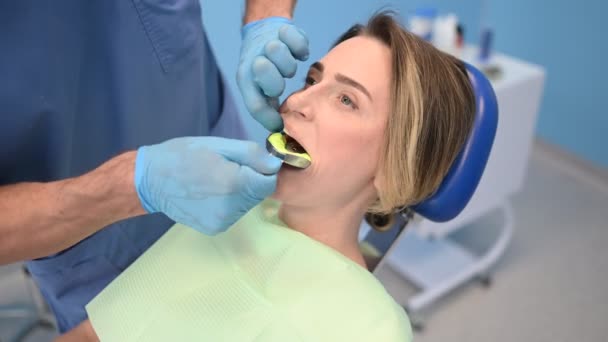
{"x":463,"y":177}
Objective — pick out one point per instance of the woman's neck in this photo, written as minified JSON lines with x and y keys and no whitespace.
{"x":336,"y":227}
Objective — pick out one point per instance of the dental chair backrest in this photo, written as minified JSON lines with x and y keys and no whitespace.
{"x":465,"y":173}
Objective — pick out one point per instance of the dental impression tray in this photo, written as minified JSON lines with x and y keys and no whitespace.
{"x":288,"y":149}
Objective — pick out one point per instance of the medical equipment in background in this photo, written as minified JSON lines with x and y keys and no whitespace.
{"x":486,"y":36}
{"x":421,"y":23}
{"x":28,"y":317}
{"x":440,"y":30}
{"x":446,"y":32}
{"x":485,"y":45}
{"x":425,"y":254}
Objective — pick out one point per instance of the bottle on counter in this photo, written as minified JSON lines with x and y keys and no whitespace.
{"x":422,"y":22}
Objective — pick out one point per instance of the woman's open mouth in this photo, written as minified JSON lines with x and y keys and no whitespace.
{"x":293,"y":145}
{"x":288,"y":149}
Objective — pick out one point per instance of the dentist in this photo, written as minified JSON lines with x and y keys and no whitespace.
{"x":110,"y":110}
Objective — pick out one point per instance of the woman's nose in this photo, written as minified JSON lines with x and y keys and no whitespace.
{"x":298,"y":104}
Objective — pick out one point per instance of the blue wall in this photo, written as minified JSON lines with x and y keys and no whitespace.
{"x":563,"y":36}
{"x":569,"y":40}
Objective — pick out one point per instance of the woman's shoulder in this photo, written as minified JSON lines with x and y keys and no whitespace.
{"x":375,"y":303}
{"x":351,"y":305}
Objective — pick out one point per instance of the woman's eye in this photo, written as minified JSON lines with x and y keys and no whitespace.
{"x":347,"y":101}
{"x":310,"y":81}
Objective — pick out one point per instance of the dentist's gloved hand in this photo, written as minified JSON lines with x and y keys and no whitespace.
{"x":206,"y":183}
{"x":269,"y":51}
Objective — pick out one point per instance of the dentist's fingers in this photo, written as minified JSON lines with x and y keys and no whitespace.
{"x":296,"y":41}
{"x":278,"y":53}
{"x":268,"y":77}
{"x":262,"y":108}
{"x":256,"y":186}
{"x":247,"y":153}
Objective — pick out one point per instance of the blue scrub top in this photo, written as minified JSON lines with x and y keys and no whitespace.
{"x":82,"y":81}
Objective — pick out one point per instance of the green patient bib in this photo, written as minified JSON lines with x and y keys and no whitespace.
{"x":259,"y":281}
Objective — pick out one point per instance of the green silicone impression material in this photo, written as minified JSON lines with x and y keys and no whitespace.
{"x":279,"y":145}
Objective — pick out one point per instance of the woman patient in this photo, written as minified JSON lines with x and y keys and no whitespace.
{"x":383,"y":116}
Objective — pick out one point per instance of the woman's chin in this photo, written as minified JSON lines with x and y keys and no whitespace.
{"x":292,"y":175}
{"x":291,"y":184}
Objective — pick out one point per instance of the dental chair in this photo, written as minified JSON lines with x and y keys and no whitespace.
{"x":431,"y":261}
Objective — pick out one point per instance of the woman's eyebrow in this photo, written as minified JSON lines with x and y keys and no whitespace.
{"x":343,"y":79}
{"x":349,"y":81}
{"x":318,"y":65}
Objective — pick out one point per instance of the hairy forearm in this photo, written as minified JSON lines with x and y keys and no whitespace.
{"x":39,"y":219}
{"x":260,"y":9}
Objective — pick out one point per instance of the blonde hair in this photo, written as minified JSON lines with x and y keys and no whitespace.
{"x":432,"y":111}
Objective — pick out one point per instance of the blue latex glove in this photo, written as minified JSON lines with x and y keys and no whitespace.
{"x":206,"y":183}
{"x":268,"y":54}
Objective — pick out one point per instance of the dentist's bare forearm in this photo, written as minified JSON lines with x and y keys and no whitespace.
{"x":39,"y":219}
{"x":81,"y":333}
{"x":260,"y":9}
